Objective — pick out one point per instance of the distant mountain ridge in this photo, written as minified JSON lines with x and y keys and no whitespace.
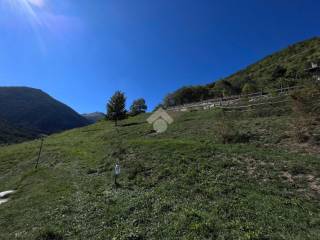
{"x":35,"y":111}
{"x":94,"y":117}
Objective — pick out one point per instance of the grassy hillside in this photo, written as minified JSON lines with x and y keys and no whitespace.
{"x":293,"y":60}
{"x":182,"y":184}
{"x":29,"y":108}
{"x":284,"y":68}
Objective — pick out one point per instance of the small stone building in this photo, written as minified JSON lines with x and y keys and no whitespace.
{"x":314,"y":70}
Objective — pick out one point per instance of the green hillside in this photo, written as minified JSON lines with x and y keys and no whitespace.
{"x":292,"y":60}
{"x":182,"y":184}
{"x":33,"y":109}
{"x":11,"y":134}
{"x":281,"y":69}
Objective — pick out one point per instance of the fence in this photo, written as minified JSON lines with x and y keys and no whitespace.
{"x":233,"y":100}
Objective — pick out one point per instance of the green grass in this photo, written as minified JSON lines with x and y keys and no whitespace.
{"x":182,"y":184}
{"x":295,"y":59}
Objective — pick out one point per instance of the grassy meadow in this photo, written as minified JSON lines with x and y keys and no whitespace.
{"x":182,"y":184}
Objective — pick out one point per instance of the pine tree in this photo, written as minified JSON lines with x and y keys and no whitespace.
{"x":116,"y":107}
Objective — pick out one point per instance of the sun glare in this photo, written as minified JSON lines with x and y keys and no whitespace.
{"x":38,"y":3}
{"x":28,"y":8}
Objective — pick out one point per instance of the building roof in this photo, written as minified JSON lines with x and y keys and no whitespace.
{"x":315,"y":67}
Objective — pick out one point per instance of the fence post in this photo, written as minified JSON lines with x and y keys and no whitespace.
{"x":40,"y":150}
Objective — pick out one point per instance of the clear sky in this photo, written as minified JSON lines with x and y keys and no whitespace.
{"x":81,"y":51}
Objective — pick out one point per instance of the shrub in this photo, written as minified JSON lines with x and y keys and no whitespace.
{"x":49,"y":235}
{"x":304,"y":102}
{"x":248,"y":88}
{"x":226,"y":131}
{"x":305,"y":109}
{"x":278,"y":72}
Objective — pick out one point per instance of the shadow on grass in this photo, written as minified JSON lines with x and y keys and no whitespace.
{"x":131,"y":124}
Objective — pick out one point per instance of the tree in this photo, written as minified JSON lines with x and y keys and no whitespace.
{"x":279,"y":72}
{"x":224,"y":88}
{"x":138,"y":106}
{"x":188,"y":94}
{"x":116,"y":107}
{"x":248,"y":88}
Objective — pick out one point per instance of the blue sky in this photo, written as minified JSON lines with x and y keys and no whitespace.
{"x":81,"y":51}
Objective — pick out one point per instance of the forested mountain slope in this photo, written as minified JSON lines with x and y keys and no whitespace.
{"x":281,"y":69}
{"x":34,"y":111}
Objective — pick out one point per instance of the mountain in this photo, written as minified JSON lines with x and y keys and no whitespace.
{"x":214,"y":174}
{"x":281,"y":69}
{"x":11,"y":134}
{"x":286,"y":66}
{"x":94,"y":117}
{"x":35,"y":111}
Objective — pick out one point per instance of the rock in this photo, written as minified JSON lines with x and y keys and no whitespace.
{"x":4,"y":196}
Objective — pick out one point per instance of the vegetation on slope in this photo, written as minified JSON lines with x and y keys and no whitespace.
{"x":36,"y":111}
{"x":182,"y":184}
{"x":10,"y":134}
{"x":284,"y":68}
{"x":94,"y":117}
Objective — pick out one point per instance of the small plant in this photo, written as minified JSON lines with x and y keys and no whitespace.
{"x":225,"y":131}
{"x":305,"y":109}
{"x":224,"y":128}
{"x":301,"y":130}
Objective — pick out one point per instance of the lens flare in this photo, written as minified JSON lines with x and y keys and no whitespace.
{"x":47,"y":21}
{"x":28,"y":8}
{"x":38,"y":3}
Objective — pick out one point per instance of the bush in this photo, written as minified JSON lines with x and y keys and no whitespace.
{"x":305,"y":108}
{"x":300,"y":133}
{"x":49,"y":235}
{"x":248,"y":88}
{"x":304,"y":102}
{"x":226,"y":131}
{"x":279,"y":72}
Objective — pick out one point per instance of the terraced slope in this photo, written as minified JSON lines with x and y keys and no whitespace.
{"x":292,"y":60}
{"x":284,"y":68}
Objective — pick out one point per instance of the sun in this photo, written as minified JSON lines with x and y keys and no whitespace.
{"x":37,"y":3}
{"x":28,"y":8}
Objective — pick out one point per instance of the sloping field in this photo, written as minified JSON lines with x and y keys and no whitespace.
{"x":182,"y":184}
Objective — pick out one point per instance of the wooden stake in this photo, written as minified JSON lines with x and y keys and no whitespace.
{"x":39,"y":155}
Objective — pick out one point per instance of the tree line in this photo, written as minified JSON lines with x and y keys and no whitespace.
{"x":116,"y":107}
{"x":241,"y":83}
